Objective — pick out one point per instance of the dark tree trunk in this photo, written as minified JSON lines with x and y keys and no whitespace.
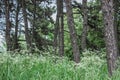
{"x":8,"y":25}
{"x":110,"y":38}
{"x":27,"y":36}
{"x":85,"y":25}
{"x":34,"y":25}
{"x":116,"y":9}
{"x":73,"y":36}
{"x":61,"y":26}
{"x":16,"y":45}
{"x":59,"y":29}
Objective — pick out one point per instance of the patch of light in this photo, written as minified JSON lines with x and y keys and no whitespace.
{"x":2,"y":41}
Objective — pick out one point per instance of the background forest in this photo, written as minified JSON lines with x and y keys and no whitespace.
{"x":59,"y":39}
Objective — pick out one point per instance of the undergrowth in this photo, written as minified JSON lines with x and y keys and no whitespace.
{"x":38,"y":67}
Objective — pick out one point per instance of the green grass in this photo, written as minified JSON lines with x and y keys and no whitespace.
{"x":36,"y":67}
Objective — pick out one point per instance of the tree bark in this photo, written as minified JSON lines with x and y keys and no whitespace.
{"x":85,"y":25}
{"x":61,"y":26}
{"x":27,"y":36}
{"x":16,"y":45}
{"x":73,"y":35}
{"x":8,"y":25}
{"x":110,"y":38}
{"x":33,"y":26}
{"x":116,"y":9}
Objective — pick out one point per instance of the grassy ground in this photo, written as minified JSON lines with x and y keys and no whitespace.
{"x":36,"y":67}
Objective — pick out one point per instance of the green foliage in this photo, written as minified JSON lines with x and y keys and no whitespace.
{"x":50,"y":67}
{"x":95,"y":35}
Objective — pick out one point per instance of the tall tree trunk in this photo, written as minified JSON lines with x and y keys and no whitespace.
{"x":55,"y":44}
{"x":61,"y":26}
{"x":73,"y":35}
{"x":34,"y":24}
{"x":8,"y":25}
{"x":16,"y":45}
{"x":110,"y":38}
{"x":116,"y":9}
{"x":57,"y":26}
{"x":85,"y":25}
{"x":27,"y":36}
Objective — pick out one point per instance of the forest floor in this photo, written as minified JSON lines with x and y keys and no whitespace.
{"x":50,"y":67}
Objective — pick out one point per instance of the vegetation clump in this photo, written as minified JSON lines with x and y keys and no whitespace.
{"x":38,"y":67}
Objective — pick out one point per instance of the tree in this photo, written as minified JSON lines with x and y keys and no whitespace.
{"x":41,"y":21}
{"x":73,"y":36}
{"x":85,"y":25}
{"x":8,"y":25}
{"x":59,"y":30}
{"x":110,"y":38}
{"x":27,"y":36}
{"x":16,"y":45}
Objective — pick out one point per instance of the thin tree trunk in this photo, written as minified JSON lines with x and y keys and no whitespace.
{"x":85,"y":25}
{"x":8,"y":25}
{"x":34,"y":19}
{"x":27,"y":36}
{"x":73,"y":35}
{"x":33,"y":27}
{"x":56,"y":30}
{"x":110,"y":38}
{"x":16,"y":45}
{"x":61,"y":26}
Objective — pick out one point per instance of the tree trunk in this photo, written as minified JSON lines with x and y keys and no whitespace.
{"x":116,"y":9}
{"x":8,"y":25}
{"x":33,"y":26}
{"x":27,"y":36}
{"x":34,"y":18}
{"x":61,"y":26}
{"x":73,"y":35}
{"x":16,"y":45}
{"x":110,"y":38}
{"x":85,"y":25}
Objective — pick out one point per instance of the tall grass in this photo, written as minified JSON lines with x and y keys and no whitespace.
{"x":37,"y":67}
